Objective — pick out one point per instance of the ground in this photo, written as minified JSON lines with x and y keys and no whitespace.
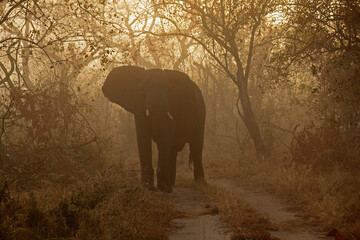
{"x":111,"y":204}
{"x":201,"y":218}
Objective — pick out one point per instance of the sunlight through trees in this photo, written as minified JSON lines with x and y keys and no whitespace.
{"x":280,"y":80}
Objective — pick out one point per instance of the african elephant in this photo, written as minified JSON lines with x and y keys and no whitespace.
{"x":169,"y":109}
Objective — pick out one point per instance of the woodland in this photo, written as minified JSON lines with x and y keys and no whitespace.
{"x":281,"y":82}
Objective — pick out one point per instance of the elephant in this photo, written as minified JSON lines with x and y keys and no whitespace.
{"x":169,"y":109}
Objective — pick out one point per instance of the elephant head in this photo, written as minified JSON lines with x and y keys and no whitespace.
{"x":138,"y":90}
{"x":122,"y":86}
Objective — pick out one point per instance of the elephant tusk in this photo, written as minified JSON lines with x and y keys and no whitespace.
{"x":147,"y":112}
{"x":169,"y":115}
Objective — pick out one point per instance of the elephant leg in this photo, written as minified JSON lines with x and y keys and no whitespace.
{"x":173,"y":155}
{"x":164,"y":167}
{"x":196,"y":147}
{"x":143,"y":135}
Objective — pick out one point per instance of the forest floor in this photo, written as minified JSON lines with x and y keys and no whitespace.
{"x":226,"y":209}
{"x":106,"y":201}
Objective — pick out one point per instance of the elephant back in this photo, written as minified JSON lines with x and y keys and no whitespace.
{"x":183,"y":90}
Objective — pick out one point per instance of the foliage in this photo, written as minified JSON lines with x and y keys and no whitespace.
{"x":42,"y":132}
{"x":325,"y":148}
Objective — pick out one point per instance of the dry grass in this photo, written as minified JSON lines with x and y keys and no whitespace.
{"x":109,"y":204}
{"x":331,"y":200}
{"x":320,"y":174}
{"x":245,"y":222}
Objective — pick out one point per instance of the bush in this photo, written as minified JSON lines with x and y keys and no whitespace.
{"x":113,"y":208}
{"x":326,"y":148}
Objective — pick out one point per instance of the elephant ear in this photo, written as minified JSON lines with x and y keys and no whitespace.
{"x":122,"y":87}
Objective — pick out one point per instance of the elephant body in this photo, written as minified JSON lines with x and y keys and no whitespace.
{"x":169,"y":109}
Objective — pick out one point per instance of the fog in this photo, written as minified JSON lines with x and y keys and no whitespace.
{"x":280,"y":81}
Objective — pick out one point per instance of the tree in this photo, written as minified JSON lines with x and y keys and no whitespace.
{"x":323,"y":36}
{"x":42,"y":53}
{"x":229,"y":31}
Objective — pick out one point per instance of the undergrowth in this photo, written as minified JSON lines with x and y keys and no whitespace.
{"x":109,"y":205}
{"x":319,"y":173}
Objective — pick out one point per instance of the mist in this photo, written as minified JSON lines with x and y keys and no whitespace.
{"x":280,"y":81}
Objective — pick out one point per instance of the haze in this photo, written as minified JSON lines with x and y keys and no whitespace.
{"x":280,"y":80}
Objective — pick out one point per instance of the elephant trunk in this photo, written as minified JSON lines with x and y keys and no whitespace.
{"x":162,"y":126}
{"x":164,"y":180}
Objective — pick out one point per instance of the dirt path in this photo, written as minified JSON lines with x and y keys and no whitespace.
{"x":291,"y":225}
{"x":200,"y":221}
{"x":206,"y":226}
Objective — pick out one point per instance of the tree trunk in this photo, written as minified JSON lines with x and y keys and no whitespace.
{"x":249,"y":119}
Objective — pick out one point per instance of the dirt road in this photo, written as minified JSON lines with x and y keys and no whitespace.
{"x":291,"y":225}
{"x":197,"y":223}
